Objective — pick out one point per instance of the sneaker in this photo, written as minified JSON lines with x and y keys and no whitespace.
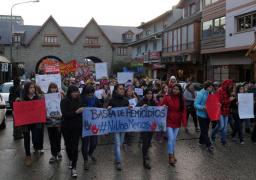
{"x":146,"y":164}
{"x":70,"y":165}
{"x":74,"y":173}
{"x":28,"y":161}
{"x":86,"y":165}
{"x":93,"y":158}
{"x":59,"y":156}
{"x":41,"y":152}
{"x":242,"y":142}
{"x":118,"y":166}
{"x":201,"y":144}
{"x":197,"y":129}
{"x":52,"y":160}
{"x":210,"y":149}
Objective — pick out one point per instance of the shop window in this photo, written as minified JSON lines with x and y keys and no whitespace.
{"x":246,"y":22}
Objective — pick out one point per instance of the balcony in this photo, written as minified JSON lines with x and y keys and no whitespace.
{"x":178,"y":48}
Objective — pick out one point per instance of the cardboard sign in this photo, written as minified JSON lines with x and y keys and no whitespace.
{"x":68,"y":67}
{"x":29,"y":112}
{"x":44,"y":81}
{"x":246,"y":105}
{"x":138,"y":91}
{"x":213,"y":107}
{"x":101,"y":70}
{"x":98,"y":121}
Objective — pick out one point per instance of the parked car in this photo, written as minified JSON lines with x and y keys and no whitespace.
{"x":2,"y":113}
{"x":5,"y":91}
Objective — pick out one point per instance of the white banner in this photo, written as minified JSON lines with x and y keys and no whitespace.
{"x":246,"y":105}
{"x":101,"y":70}
{"x":123,"y":77}
{"x":45,"y":80}
{"x":52,"y":102}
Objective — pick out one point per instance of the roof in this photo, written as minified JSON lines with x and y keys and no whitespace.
{"x":185,"y":21}
{"x":158,"y":18}
{"x":113,"y":33}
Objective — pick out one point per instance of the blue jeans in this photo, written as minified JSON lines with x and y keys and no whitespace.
{"x":172,"y":136}
{"x":119,"y":139}
{"x":222,"y":126}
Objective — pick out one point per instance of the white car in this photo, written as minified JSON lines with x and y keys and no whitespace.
{"x":4,"y":92}
{"x":2,"y":113}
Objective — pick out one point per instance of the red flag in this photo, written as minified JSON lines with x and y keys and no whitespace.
{"x":29,"y":112}
{"x":213,"y":107}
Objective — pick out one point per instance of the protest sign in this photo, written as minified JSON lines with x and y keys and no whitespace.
{"x":112,"y":89}
{"x":52,"y":102}
{"x":123,"y":77}
{"x":246,"y":105}
{"x":99,"y":93}
{"x":98,"y":121}
{"x":44,"y":81}
{"x":138,"y":91}
{"x":29,"y":112}
{"x":213,"y":107}
{"x":101,"y":70}
{"x":133,"y":102}
{"x":66,"y":68}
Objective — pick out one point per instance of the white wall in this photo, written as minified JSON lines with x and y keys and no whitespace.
{"x":237,"y":39}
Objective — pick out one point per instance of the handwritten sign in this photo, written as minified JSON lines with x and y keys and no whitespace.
{"x":246,"y":105}
{"x":99,"y":93}
{"x":52,"y":102}
{"x":98,"y":121}
{"x":44,"y":81}
{"x":133,"y":102}
{"x":68,"y":67}
{"x":101,"y":70}
{"x":29,"y":112}
{"x":123,"y":77}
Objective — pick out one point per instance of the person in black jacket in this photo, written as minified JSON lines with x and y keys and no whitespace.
{"x":15,"y":92}
{"x":118,"y":100}
{"x":89,"y":143}
{"x":72,"y":125}
{"x":37,"y":129}
{"x":146,"y":136}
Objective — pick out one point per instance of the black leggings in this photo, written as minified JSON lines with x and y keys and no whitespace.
{"x":191,"y":110}
{"x":71,"y":138}
{"x":204,"y":127}
{"x":89,"y":144}
{"x":146,"y":141}
{"x":55,"y":140}
{"x":238,"y":127}
{"x":37,"y":132}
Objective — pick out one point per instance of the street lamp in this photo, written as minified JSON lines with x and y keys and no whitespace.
{"x":25,"y":2}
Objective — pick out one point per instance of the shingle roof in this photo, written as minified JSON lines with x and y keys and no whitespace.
{"x":114,"y":33}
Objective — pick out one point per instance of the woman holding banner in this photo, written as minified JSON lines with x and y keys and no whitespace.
{"x":36,"y":129}
{"x":118,"y":100}
{"x":175,"y":117}
{"x":146,"y":136}
{"x":89,"y":143}
{"x":53,"y":127}
{"x":204,"y":121}
{"x":72,"y":125}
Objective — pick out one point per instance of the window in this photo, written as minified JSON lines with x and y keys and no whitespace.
{"x":50,"y":39}
{"x":16,"y":38}
{"x":246,"y":22}
{"x":122,"y":51}
{"x":192,"y":9}
{"x":138,"y":50}
{"x":92,"y":41}
{"x":214,"y":27}
{"x":148,"y":32}
{"x":154,"y":45}
{"x":127,"y":36}
{"x":221,"y":73}
{"x":155,"y":28}
{"x":146,"y":47}
{"x":208,"y":2}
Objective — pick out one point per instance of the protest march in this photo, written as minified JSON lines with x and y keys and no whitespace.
{"x":86,"y":109}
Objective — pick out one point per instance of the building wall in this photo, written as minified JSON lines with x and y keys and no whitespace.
{"x":234,"y":38}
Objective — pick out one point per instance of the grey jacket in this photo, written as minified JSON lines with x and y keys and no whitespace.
{"x":189,"y":98}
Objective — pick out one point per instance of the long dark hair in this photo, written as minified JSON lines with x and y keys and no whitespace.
{"x":26,"y":89}
{"x":115,"y":89}
{"x":52,"y":85}
{"x":181,"y":99}
{"x":71,"y":89}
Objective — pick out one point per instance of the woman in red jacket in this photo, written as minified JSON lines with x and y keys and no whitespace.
{"x":176,"y":116}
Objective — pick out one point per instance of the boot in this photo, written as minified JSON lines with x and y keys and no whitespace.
{"x":146,"y":164}
{"x":175,"y":159}
{"x":28,"y":161}
{"x":171,"y":160}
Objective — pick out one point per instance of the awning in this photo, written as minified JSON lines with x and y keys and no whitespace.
{"x":4,"y":60}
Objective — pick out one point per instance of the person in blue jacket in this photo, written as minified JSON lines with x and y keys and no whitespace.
{"x":202,"y":115}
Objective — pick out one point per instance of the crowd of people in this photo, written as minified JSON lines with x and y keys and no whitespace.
{"x":181,"y":103}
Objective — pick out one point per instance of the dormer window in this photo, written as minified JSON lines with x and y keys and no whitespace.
{"x":16,"y":38}
{"x":128,"y":36}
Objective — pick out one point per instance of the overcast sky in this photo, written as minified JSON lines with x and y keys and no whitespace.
{"x":79,"y":12}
